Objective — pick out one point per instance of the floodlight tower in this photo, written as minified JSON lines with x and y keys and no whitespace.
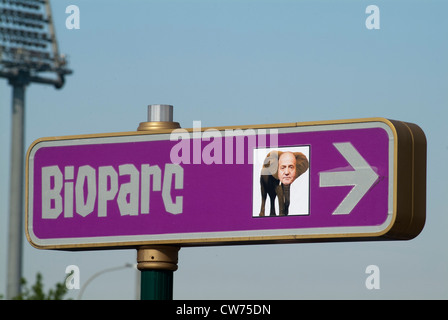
{"x":28,"y":53}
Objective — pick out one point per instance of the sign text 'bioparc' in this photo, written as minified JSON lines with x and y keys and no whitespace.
{"x":130,"y":188}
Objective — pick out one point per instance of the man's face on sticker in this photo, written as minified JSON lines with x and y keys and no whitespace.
{"x":287,"y":168}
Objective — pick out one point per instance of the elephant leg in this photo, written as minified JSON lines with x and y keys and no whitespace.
{"x":286,"y":189}
{"x":281,"y":200}
{"x":272,"y":198}
{"x":263,"y":198}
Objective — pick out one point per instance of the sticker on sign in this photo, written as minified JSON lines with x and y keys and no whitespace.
{"x":342,"y":180}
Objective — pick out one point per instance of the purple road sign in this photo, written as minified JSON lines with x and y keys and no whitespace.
{"x":335,"y":180}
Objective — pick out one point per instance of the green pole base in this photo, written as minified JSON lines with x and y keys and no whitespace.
{"x":156,"y":285}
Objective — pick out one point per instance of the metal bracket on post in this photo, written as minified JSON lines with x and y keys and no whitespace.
{"x":157,"y":258}
{"x":157,"y":263}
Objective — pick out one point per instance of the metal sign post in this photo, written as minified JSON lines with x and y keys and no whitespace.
{"x":157,"y":263}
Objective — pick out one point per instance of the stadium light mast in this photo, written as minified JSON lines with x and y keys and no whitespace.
{"x":28,"y":53}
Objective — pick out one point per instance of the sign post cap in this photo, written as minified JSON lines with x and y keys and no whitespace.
{"x":160,"y":116}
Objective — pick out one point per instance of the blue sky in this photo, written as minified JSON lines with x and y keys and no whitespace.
{"x":250,"y":62}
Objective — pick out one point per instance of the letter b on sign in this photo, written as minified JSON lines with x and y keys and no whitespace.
{"x":373,"y":280}
{"x":72,"y":280}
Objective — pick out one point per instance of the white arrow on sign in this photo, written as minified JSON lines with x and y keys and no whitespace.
{"x":362,"y":178}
